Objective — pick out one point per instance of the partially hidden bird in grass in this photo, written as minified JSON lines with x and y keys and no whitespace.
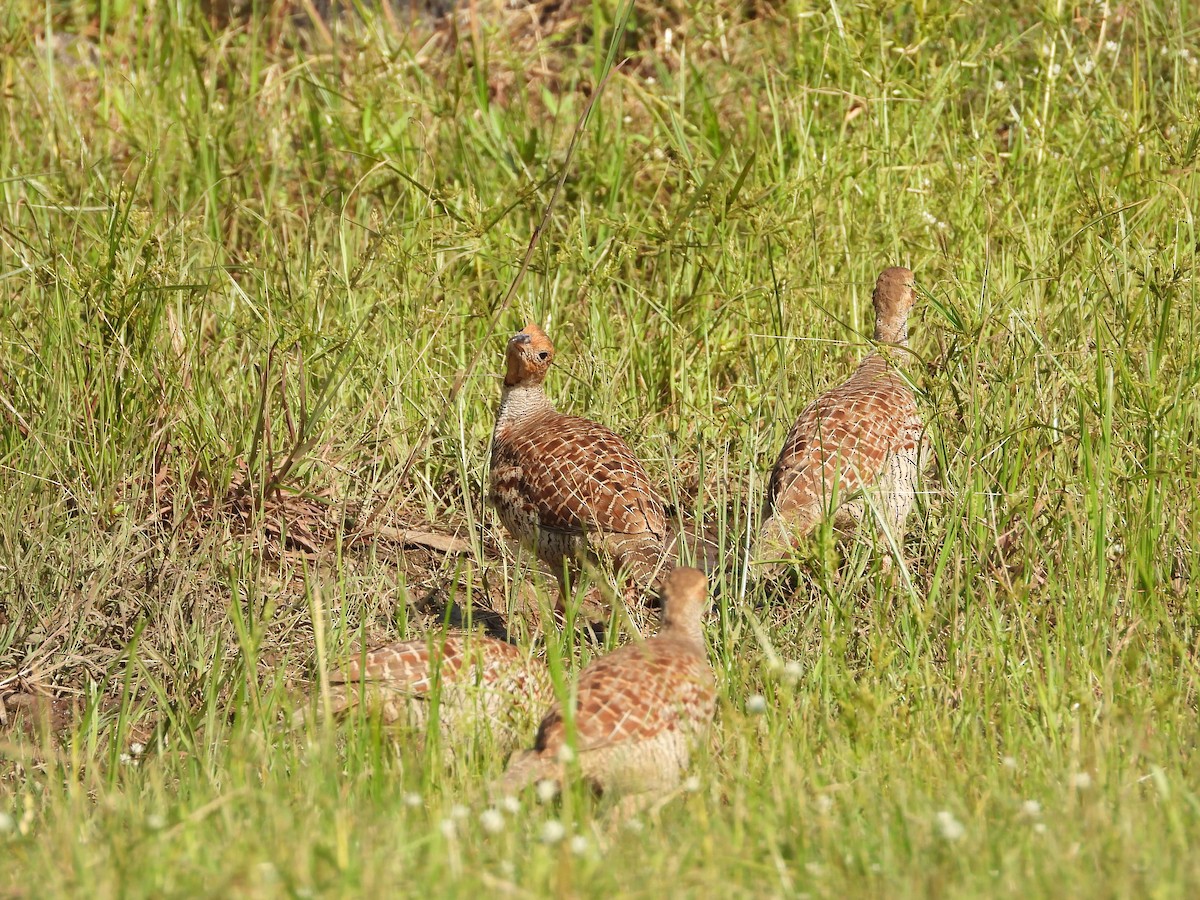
{"x":863,"y":436}
{"x":635,"y":714}
{"x":472,"y":685}
{"x":567,"y":487}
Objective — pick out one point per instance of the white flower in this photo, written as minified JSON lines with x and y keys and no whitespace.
{"x":547,"y":790}
{"x":1009,"y":762}
{"x":949,"y":827}
{"x":1081,"y":781}
{"x":792,"y":671}
{"x":1031,"y":809}
{"x":1054,"y":70}
{"x":448,"y":828}
{"x":579,"y":845}
{"x":492,"y":821}
{"x":998,"y":86}
{"x":553,"y":831}
{"x":756,"y":704}
{"x":1039,"y":827}
{"x":1047,"y":49}
{"x":692,"y":784}
{"x":412,"y":799}
{"x":1087,"y":66}
{"x":824,"y":803}
{"x":156,"y":822}
{"x":458,"y":811}
{"x":7,"y":823}
{"x":627,"y":119}
{"x":668,"y":37}
{"x":565,"y":754}
{"x":1112,"y":46}
{"x":137,"y":749}
{"x":511,"y":805}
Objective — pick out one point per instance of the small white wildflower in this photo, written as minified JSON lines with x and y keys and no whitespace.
{"x":930,"y":218}
{"x":137,"y":749}
{"x":756,"y":704}
{"x":458,"y":811}
{"x":668,"y":37}
{"x":1047,"y":49}
{"x":1112,"y":46}
{"x":579,"y":845}
{"x":692,"y":784}
{"x":650,"y":79}
{"x":413,"y":799}
{"x":1087,"y":66}
{"x":1039,"y":827}
{"x":566,"y":754}
{"x":1081,"y":781}
{"x":7,"y":823}
{"x":627,"y":119}
{"x":492,"y":821}
{"x":125,"y":757}
{"x":156,"y":822}
{"x":1009,"y":762}
{"x":634,"y":825}
{"x":1054,"y":70}
{"x":448,"y":828}
{"x":511,"y":805}
{"x":824,"y":803}
{"x":998,"y":86}
{"x":792,"y":671}
{"x":949,"y":827}
{"x":553,"y":831}
{"x":547,"y":790}
{"x":1031,"y":809}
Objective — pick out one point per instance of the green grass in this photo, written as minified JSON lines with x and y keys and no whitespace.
{"x":221,"y":248}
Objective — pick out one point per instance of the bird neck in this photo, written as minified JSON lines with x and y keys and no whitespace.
{"x":687,"y":631}
{"x":892,"y":331}
{"x":518,"y":401}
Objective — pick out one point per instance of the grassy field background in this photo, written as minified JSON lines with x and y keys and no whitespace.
{"x":248,"y":271}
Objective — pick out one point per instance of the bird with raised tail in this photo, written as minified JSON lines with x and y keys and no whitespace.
{"x":865,"y":434}
{"x":638,"y":711}
{"x":566,"y":487}
{"x":479,"y":685}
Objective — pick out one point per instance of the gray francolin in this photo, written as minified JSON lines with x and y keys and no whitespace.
{"x":864,"y":434}
{"x":638,"y":711}
{"x":479,"y":684}
{"x":566,"y":487}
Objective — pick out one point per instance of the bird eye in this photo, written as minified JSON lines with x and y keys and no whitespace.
{"x":544,"y":355}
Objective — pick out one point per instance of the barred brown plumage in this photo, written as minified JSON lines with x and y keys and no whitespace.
{"x":481,"y":684}
{"x":638,"y":711}
{"x":863,"y":434}
{"x":566,"y":487}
